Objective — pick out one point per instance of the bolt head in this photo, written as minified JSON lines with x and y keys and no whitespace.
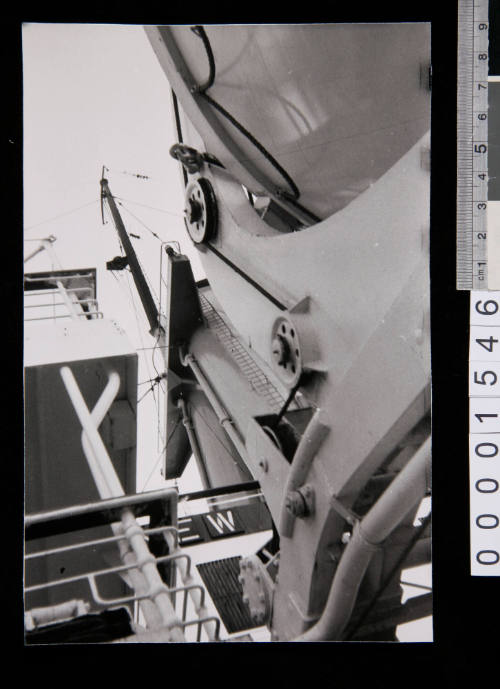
{"x":194,"y":210}
{"x":281,"y":350}
{"x":346,"y":537}
{"x":295,"y":504}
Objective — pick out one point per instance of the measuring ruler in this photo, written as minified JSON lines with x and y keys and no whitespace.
{"x":472,"y":145}
{"x":484,"y":433}
{"x":472,"y":274}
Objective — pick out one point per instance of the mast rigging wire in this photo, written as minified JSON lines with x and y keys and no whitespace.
{"x":142,"y":341}
{"x":155,"y":382}
{"x":124,"y":172}
{"x":164,"y":449}
{"x":61,"y":215}
{"x":140,"y":221}
{"x":153,"y":208}
{"x":130,"y":298}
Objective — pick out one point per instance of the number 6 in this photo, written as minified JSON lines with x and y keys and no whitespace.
{"x":485,"y":311}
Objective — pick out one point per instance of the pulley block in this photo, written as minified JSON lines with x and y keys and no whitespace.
{"x":201,"y":210}
{"x":189,"y":157}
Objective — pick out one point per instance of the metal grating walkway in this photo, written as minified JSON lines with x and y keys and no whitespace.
{"x":255,"y":376}
{"x":221,"y":580}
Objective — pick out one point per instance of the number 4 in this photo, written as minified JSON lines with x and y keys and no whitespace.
{"x":489,"y":343}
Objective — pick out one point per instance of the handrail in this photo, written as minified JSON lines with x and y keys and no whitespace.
{"x":97,"y":541}
{"x":158,"y":611}
{"x":99,"y":315}
{"x":60,"y":303}
{"x":55,"y":276}
{"x":38,"y":292}
{"x":70,"y":305}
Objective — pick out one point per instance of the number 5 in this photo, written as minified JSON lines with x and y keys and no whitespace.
{"x":483,"y":376}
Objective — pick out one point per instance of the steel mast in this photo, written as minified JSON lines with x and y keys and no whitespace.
{"x":147,"y":300}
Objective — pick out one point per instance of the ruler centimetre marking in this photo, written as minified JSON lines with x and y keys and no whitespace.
{"x":472,"y":145}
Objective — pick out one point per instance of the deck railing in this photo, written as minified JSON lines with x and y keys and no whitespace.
{"x":155,"y":598}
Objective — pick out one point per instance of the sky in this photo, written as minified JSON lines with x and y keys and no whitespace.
{"x":95,"y":95}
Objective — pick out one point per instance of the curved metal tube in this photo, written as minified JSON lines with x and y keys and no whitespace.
{"x":103,"y":472}
{"x":409,"y":487}
{"x":158,"y":611}
{"x":308,"y":446}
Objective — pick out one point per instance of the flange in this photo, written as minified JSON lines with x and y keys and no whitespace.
{"x":257,"y":588}
{"x":286,"y":354}
{"x":201,"y":210}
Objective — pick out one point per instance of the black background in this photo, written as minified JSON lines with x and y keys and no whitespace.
{"x":466,"y":617}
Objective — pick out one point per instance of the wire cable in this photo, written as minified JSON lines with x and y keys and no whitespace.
{"x":152,"y":380}
{"x":153,"y":208}
{"x":201,"y":33}
{"x":198,"y":413}
{"x":141,"y":222}
{"x":138,"y":260}
{"x":130,"y":174}
{"x":164,"y":449}
{"x":151,"y":389}
{"x":61,"y":215}
{"x":139,"y":329}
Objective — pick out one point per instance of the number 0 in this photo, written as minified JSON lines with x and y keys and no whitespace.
{"x":486,"y":454}
{"x":480,"y":557}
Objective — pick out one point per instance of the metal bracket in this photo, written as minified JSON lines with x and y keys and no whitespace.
{"x":351,"y":517}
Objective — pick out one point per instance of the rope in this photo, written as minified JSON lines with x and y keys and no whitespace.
{"x":200,"y":32}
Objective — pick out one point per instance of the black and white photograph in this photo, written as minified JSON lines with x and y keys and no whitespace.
{"x":227,"y":333}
